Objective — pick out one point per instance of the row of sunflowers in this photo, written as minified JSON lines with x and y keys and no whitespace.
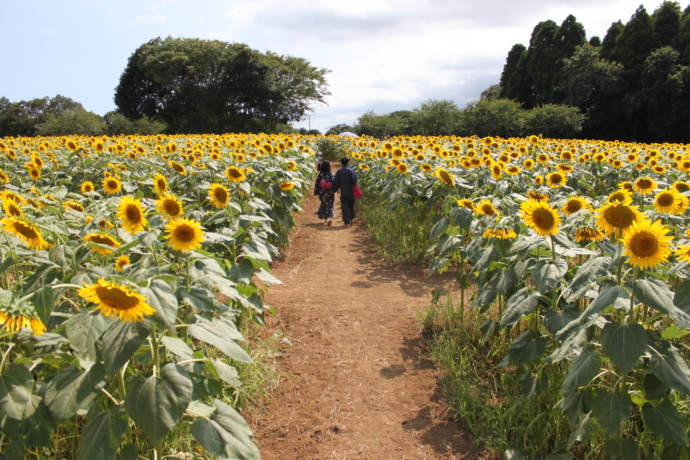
{"x":125,"y":264}
{"x":577,"y":252}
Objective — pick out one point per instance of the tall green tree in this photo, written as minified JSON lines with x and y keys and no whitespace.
{"x":209,"y":86}
{"x":514,"y":83}
{"x":662,"y":85}
{"x":666,"y":20}
{"x":592,"y":84}
{"x":541,"y":65}
{"x":609,"y":42}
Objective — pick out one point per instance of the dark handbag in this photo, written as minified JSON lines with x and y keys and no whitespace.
{"x":356,"y":191}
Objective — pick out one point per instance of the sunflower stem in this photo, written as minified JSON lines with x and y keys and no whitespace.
{"x":5,"y":355}
{"x":154,"y":350}
{"x":553,"y":249}
{"x":632,"y":294}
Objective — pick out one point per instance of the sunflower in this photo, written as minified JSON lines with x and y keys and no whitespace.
{"x":169,"y":206}
{"x":513,"y":170}
{"x":626,"y":185}
{"x":496,"y":171}
{"x":536,"y":196}
{"x":644,"y":185}
{"x":87,"y":187}
{"x":681,"y":186}
{"x":34,"y":173}
{"x":219,"y":195}
{"x":290,"y":165}
{"x":556,"y":179}
{"x":466,"y":204}
{"x":179,"y":168}
{"x":485,"y":207}
{"x":528,"y":163}
{"x":160,"y":185}
{"x":588,"y":235}
{"x":12,"y":208}
{"x":102,"y":239}
{"x":499,"y":233}
{"x":14,"y":322}
{"x":111,"y":186}
{"x":615,"y":218}
{"x":540,"y":217}
{"x":132,"y":215}
{"x":73,"y":205}
{"x":670,"y":201}
{"x":622,"y":196}
{"x":184,"y":234}
{"x":575,"y":204}
{"x":646,"y":243}
{"x":4,"y":178}
{"x":286,"y":185}
{"x":121,"y":262}
{"x":115,"y":300}
{"x":444,"y":176}
{"x":25,"y":231}
{"x":234,"y":174}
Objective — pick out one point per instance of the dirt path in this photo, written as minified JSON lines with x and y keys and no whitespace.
{"x":356,"y":385}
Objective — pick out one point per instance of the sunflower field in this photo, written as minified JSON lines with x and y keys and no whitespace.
{"x":125,"y":265}
{"x":572,"y":259}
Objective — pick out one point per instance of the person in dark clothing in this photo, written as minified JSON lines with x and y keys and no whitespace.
{"x":345,"y":178}
{"x":323,"y":187}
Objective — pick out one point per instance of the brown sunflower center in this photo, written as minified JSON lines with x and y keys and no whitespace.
{"x":184,"y":233}
{"x":619,"y":216}
{"x":171,"y":207}
{"x":220,"y":195}
{"x":665,"y":199}
{"x":26,"y":230}
{"x":644,"y":184}
{"x":573,"y":206}
{"x":644,"y":244}
{"x":543,"y":219}
{"x":116,"y":298}
{"x":133,"y":214}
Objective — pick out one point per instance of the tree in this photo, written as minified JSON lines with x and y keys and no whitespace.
{"x":662,"y":85}
{"x":209,"y":86}
{"x":610,"y":39}
{"x":498,"y":117}
{"x":436,"y":118}
{"x":116,"y":123}
{"x":666,"y":20}
{"x":21,"y":118}
{"x":554,"y":121}
{"x":593,"y":85}
{"x":542,"y":62}
{"x":75,"y":121}
{"x":514,"y":83}
{"x":380,"y":126}
{"x":491,"y":93}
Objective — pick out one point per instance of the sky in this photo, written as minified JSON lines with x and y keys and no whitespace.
{"x":383,"y":55}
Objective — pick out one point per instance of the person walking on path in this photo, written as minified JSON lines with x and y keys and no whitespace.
{"x":345,"y":178}
{"x":325,"y":189}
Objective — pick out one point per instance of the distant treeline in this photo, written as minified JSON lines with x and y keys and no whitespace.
{"x":633,"y":85}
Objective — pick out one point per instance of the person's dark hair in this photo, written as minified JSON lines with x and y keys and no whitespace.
{"x":344,"y":161}
{"x":325,"y":166}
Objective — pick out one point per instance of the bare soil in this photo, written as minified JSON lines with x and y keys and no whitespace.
{"x":356,"y":384}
